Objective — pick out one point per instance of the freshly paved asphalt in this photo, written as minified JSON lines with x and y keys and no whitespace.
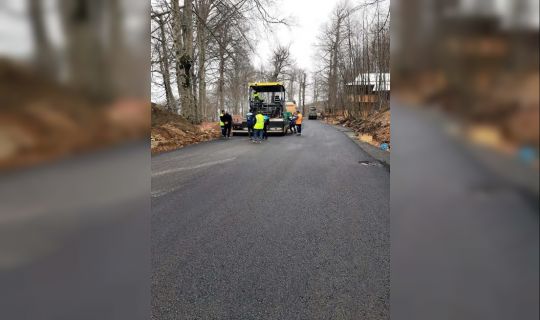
{"x":464,"y":238}
{"x":293,"y":228}
{"x":74,"y":237}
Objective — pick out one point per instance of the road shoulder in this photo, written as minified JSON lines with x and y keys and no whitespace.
{"x":378,"y":154}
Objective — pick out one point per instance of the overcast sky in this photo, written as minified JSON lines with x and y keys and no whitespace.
{"x":307,"y":17}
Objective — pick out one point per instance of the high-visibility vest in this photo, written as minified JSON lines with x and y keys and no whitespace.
{"x":299,"y":118}
{"x":260,"y":122}
{"x":221,"y":124}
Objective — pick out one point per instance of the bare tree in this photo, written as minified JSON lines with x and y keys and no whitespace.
{"x":203,"y":10}
{"x":211,"y":52}
{"x":281,"y":62}
{"x":303,"y":86}
{"x":353,"y":46}
{"x":163,"y":59}
{"x":186,"y":62}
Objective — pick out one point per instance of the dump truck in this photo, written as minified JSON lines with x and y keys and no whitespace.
{"x":269,"y":99}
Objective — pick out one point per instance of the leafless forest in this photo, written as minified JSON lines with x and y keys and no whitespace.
{"x":202,"y":57}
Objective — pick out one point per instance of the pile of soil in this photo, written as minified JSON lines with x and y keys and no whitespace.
{"x":171,"y":131}
{"x":376,"y":125}
{"x":41,"y":120}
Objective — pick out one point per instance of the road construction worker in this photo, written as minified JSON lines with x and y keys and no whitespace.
{"x":221,"y":123}
{"x":250,"y":121}
{"x":299,"y":118}
{"x":266,"y":125}
{"x":227,"y":121}
{"x":258,"y":127}
{"x":292,"y":124}
{"x":257,"y":97}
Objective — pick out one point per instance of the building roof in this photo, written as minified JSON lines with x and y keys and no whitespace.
{"x":380,"y":81}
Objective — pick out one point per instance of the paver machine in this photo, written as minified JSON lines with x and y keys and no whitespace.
{"x":269,"y":99}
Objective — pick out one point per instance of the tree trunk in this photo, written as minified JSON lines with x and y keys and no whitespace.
{"x":186,"y":62}
{"x":300,"y":90}
{"x":44,"y":58}
{"x":87,"y":70}
{"x":291,"y":86}
{"x":171,"y":102}
{"x":334,"y":79}
{"x":201,"y":42}
{"x":304,"y":93}
{"x":119,"y":68}
{"x":183,"y":39}
{"x":221,"y":79}
{"x":178,"y":49}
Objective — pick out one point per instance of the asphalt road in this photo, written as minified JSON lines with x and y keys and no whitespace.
{"x":464,"y":238}
{"x":293,"y":228}
{"x":74,"y":237}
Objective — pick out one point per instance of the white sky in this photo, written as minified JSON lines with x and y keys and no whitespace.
{"x":307,"y":17}
{"x":15,"y":33}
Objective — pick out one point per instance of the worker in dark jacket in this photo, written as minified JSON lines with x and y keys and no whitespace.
{"x":250,"y":121}
{"x":292,"y":124}
{"x":227,"y":121}
{"x":266,"y":126}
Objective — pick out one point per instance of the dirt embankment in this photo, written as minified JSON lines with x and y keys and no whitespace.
{"x":42,"y":121}
{"x":375,"y":129}
{"x":500,"y":111}
{"x":171,"y":131}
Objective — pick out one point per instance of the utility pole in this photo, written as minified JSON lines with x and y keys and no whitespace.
{"x":303,"y":93}
{"x":300,"y":91}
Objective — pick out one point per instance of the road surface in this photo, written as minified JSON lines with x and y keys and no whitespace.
{"x":74,"y":237}
{"x":293,"y":228}
{"x":464,"y":239}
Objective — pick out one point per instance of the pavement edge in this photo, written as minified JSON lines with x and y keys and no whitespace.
{"x":380,"y":155}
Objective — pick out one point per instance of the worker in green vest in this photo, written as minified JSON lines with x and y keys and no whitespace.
{"x":257,"y":97}
{"x":221,"y":123}
{"x":258,"y":127}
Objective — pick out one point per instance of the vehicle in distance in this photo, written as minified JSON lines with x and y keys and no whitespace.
{"x":312,"y":115}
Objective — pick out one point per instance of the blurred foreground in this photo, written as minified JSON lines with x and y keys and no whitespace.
{"x":42,"y":121}
{"x":74,"y":160}
{"x":74,"y":238}
{"x":464,"y":205}
{"x":478,"y":62}
{"x":464,"y":238}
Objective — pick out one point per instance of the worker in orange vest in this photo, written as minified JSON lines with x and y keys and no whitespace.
{"x":299,"y":118}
